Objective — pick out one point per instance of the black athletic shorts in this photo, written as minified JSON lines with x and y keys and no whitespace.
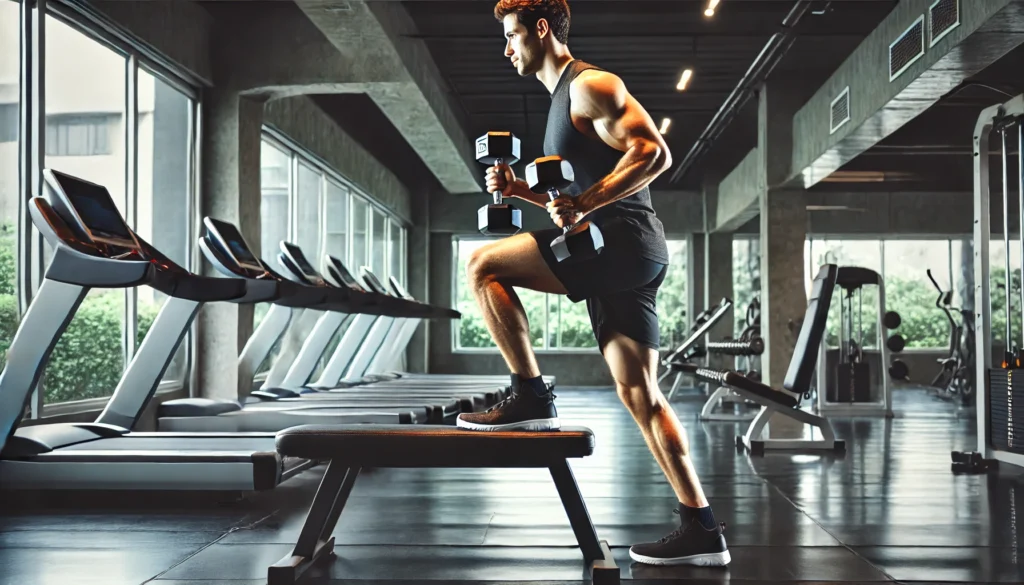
{"x":620,"y":288}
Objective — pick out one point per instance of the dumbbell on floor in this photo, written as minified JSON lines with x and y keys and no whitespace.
{"x":498,"y":219}
{"x":580,"y":241}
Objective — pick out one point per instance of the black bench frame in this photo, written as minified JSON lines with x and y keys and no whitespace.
{"x":315,"y":541}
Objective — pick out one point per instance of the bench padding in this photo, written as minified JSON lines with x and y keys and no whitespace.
{"x":429,"y":446}
{"x":741,"y":382}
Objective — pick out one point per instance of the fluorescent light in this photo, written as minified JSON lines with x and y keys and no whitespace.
{"x":665,"y":123}
{"x":710,"y":11}
{"x":684,"y":80}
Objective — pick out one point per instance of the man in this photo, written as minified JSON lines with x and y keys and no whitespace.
{"x":616,"y":152}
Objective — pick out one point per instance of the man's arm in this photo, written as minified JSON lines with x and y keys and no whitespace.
{"x":623,"y":124}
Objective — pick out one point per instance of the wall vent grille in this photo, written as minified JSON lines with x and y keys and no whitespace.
{"x":840,"y":114}
{"x":906,"y":49}
{"x":943,"y":17}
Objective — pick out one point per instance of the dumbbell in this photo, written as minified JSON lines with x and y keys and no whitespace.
{"x":498,"y":219}
{"x":580,"y":241}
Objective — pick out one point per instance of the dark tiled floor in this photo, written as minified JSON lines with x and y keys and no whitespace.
{"x":889,"y":510}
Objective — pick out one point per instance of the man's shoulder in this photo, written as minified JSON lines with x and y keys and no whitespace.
{"x":596,"y":88}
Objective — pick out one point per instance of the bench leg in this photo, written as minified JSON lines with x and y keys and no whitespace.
{"x":315,"y":539}
{"x":595,"y":551}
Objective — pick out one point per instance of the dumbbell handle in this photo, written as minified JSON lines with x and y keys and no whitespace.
{"x":497,"y":194}
{"x":552,"y":195}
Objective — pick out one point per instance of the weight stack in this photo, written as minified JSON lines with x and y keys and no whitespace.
{"x":1006,"y":409}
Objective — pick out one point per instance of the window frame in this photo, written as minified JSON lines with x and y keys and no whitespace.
{"x":354,"y":192}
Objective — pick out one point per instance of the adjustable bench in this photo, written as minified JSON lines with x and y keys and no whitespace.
{"x":348,"y":448}
{"x":786,"y":402}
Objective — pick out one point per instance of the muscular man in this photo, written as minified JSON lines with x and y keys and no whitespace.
{"x":616,"y":152}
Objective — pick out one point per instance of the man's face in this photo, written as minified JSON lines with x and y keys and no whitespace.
{"x":522,"y":46}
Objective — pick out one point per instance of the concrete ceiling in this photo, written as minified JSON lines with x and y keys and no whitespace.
{"x":648,"y":43}
{"x":933,"y":151}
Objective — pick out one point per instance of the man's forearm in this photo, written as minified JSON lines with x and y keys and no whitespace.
{"x":637,"y":168}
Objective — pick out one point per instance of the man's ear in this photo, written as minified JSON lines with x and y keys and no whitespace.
{"x":543,"y":28}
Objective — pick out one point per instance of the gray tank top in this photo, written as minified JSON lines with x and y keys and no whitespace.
{"x":629,"y":223}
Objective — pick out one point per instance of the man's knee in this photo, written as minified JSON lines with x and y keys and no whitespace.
{"x":479,"y":269}
{"x":641,"y":397}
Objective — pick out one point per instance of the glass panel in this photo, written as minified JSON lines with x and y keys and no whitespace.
{"x":85,"y":113}
{"x":863,"y":253}
{"x":997,"y":288}
{"x":746,"y":279}
{"x":359,"y":247}
{"x":397,"y":253}
{"x":909,"y":292}
{"x":275,"y":181}
{"x":336,"y":221}
{"x":10,"y":95}
{"x":379,"y":251}
{"x":162,"y":208}
{"x":307,"y":213}
{"x":673,"y":313}
{"x":472,"y":332}
{"x":569,"y":323}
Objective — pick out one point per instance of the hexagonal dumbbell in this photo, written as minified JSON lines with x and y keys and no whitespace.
{"x":498,"y":219}
{"x":580,"y":241}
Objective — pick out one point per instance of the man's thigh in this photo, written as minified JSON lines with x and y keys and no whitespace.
{"x":517,"y":261}
{"x":631,"y":363}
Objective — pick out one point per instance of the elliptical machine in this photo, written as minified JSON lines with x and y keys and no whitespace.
{"x":955,"y":379}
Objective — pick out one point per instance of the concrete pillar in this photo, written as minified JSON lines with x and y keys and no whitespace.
{"x":418,"y":248}
{"x":783,"y":216}
{"x":232,"y":127}
{"x":718,"y":274}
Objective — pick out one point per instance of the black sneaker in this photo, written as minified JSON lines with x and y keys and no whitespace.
{"x":521,"y":411}
{"x":690,"y":544}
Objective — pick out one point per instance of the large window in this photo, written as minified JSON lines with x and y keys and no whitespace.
{"x":86,"y":105}
{"x":555,"y":322}
{"x":137,"y":140}
{"x":10,"y":196}
{"x":163,"y":214}
{"x":746,"y":278}
{"x":904,"y":265}
{"x":311,"y":205}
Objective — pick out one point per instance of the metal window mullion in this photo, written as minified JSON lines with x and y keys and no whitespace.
{"x":131,"y":149}
{"x":191,"y":374}
{"x":31,"y":157}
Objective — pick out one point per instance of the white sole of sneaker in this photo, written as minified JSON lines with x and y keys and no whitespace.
{"x":705,"y":560}
{"x":538,"y":424}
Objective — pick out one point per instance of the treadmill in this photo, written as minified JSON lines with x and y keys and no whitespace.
{"x":227,"y":250}
{"x":94,"y":248}
{"x":298,"y":268}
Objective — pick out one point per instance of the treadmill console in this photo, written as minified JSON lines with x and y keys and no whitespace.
{"x":338,"y":267}
{"x":299,"y":262}
{"x":232,"y":245}
{"x":398,"y":289}
{"x":371,"y":280}
{"x":90,"y":209}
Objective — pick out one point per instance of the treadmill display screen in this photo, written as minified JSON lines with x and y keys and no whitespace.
{"x":300,"y":261}
{"x":372,"y":281}
{"x":343,"y":272}
{"x":233,"y":244}
{"x":96,"y":209}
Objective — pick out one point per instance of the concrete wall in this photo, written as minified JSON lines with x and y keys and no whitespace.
{"x":738,"y":193}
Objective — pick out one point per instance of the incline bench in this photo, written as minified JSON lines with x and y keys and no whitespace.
{"x":677,"y":361}
{"x":348,"y":448}
{"x":786,"y":402}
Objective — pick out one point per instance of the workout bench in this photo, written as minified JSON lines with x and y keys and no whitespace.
{"x":348,"y":448}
